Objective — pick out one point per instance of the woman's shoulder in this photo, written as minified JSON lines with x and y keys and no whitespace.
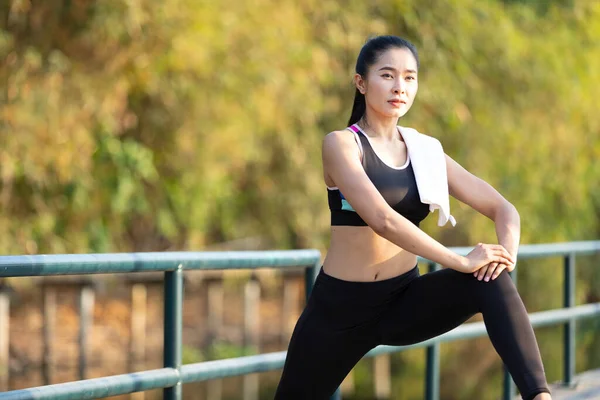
{"x":340,"y":137}
{"x":344,"y":132}
{"x":340,"y":143}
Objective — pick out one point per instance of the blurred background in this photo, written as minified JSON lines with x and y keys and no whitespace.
{"x":138,"y":125}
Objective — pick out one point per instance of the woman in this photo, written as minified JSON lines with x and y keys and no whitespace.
{"x":369,"y":291}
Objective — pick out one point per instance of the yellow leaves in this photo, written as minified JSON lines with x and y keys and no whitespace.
{"x":203,"y":110}
{"x":18,"y":8}
{"x":462,"y":113}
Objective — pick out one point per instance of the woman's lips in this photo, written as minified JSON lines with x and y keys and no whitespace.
{"x":397,"y":103}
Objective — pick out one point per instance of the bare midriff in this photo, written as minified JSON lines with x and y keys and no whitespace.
{"x":357,"y":253}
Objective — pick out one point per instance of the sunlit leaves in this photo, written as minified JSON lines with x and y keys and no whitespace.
{"x":198,"y":111}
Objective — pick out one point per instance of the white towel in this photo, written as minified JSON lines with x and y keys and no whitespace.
{"x":429,"y":164}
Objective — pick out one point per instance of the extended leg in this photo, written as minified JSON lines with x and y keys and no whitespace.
{"x":438,"y":302}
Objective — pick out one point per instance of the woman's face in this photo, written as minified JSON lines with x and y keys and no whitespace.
{"x":391,"y":83}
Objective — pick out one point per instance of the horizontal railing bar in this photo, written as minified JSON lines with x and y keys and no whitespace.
{"x":98,"y":387}
{"x":559,"y":249}
{"x":232,"y":366}
{"x":83,"y":264}
{"x":544,"y":250}
{"x":77,"y":264}
{"x":264,"y":362}
{"x":255,"y":259}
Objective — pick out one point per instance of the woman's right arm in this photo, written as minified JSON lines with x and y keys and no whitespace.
{"x":341,"y":163}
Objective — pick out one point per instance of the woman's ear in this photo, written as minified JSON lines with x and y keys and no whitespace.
{"x":360,"y":83}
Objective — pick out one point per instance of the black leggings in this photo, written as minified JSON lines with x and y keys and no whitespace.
{"x":344,"y":320}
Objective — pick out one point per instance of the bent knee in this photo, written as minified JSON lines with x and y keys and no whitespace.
{"x":502,"y":280}
{"x":500,"y":290}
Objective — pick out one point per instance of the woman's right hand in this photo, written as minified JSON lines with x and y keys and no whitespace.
{"x":484,"y":254}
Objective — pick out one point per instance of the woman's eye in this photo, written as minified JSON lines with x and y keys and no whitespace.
{"x":387,"y":76}
{"x":411,"y":78}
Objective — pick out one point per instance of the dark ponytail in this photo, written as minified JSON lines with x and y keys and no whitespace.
{"x":358,"y":108}
{"x":368,"y":56}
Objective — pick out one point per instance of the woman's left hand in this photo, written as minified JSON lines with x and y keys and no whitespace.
{"x":491,"y":271}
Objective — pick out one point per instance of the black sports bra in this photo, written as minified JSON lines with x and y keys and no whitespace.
{"x":397,"y":186}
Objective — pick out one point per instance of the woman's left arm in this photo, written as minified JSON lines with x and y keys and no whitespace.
{"x":482,"y":197}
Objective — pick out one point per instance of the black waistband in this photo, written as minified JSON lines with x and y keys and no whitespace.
{"x":381,"y":287}
{"x":359,"y":300}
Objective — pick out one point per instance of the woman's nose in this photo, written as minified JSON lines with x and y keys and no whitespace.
{"x":399,"y":87}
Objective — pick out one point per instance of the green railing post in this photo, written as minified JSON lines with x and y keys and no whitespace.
{"x":569,"y":327}
{"x":432,"y":377}
{"x":173,"y":302}
{"x":509,"y":385}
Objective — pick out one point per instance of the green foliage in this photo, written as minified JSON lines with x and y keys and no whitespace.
{"x":217,"y":351}
{"x":222,"y":350}
{"x":130,"y":126}
{"x":191,"y":355}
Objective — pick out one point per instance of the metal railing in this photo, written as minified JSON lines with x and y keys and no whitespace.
{"x":174,"y":374}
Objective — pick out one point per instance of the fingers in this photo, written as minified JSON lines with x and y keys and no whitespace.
{"x":497,"y":249}
{"x":490,"y":271}
{"x":502,"y":260}
{"x":497,"y":253}
{"x":487,"y":260}
{"x":480,"y":273}
{"x":511,"y":268}
{"x":498,"y":271}
{"x":500,"y":250}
